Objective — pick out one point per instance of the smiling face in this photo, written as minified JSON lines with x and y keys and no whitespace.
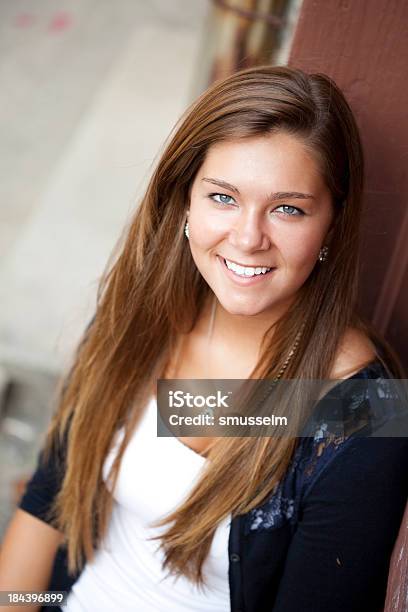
{"x":258,"y":203}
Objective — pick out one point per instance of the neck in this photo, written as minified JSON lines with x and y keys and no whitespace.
{"x":242,"y":334}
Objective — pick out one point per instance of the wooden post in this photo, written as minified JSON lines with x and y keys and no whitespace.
{"x":397,"y":591}
{"x":240,"y":34}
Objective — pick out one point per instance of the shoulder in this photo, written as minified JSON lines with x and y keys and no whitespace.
{"x":355,"y":442}
{"x":355,"y":350}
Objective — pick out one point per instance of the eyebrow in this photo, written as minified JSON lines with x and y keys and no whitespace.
{"x":278,"y":195}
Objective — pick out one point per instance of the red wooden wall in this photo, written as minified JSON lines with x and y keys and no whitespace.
{"x":364,"y":47}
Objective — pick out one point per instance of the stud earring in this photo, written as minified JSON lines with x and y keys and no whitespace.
{"x":186,"y":230}
{"x":323,"y":253}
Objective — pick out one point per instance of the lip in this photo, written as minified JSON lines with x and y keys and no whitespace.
{"x":242,"y":280}
{"x":237,"y":263}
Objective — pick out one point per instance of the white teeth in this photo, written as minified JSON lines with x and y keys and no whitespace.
{"x":245,"y":271}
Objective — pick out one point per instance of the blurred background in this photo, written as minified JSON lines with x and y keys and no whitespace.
{"x":90,"y":90}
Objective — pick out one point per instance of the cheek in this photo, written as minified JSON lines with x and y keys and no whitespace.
{"x":203,"y":238}
{"x":299,"y":250}
{"x":205,"y":228}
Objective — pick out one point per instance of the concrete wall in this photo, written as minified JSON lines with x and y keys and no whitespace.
{"x":91,"y":94}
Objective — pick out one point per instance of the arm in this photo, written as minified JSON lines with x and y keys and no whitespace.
{"x":31,"y":541}
{"x":349,"y":519}
{"x":27,"y":555}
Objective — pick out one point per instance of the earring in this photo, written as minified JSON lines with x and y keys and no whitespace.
{"x":323,"y":253}
{"x":186,"y":230}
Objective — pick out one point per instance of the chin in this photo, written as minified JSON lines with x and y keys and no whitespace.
{"x":242,"y":309}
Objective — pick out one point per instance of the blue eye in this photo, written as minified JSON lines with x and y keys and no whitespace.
{"x":291,"y":211}
{"x":224,"y":198}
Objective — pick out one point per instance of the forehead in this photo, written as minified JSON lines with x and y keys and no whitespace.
{"x":278,"y":160}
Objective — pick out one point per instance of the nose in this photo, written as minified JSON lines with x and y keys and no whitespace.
{"x":248,"y":233}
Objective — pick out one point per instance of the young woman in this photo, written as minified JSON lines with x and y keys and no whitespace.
{"x":241,"y":262}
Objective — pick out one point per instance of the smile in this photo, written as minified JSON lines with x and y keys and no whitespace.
{"x":242,"y":270}
{"x":244,"y":275}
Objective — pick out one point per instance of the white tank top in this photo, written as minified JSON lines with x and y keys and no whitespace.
{"x":155,"y":475}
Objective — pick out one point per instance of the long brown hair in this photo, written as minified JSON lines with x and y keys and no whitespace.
{"x":153,"y":291}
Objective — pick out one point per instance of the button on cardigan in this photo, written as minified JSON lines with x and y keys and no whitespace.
{"x":322,"y":541}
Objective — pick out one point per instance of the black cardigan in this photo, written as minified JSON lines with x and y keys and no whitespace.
{"x":322,"y":541}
